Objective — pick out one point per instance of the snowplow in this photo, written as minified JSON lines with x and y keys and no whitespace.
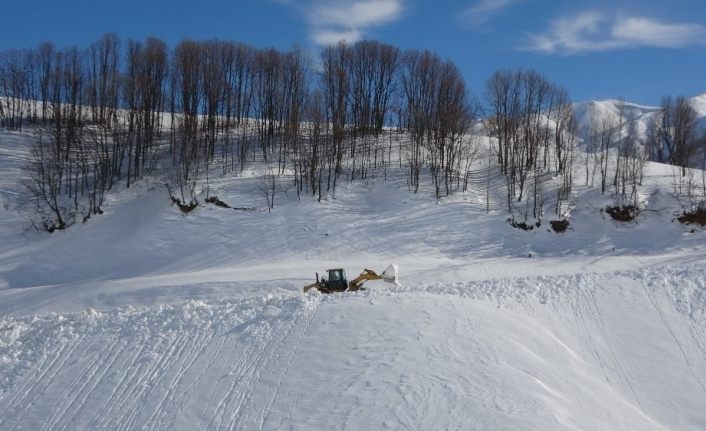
{"x":337,"y":281}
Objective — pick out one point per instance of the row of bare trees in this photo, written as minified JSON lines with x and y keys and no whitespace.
{"x":533,"y":125}
{"x":437,"y":114}
{"x":674,"y":137}
{"x":122,"y":111}
{"x":671,"y":134}
{"x":95,"y":120}
{"x":615,"y":150}
{"x":114,"y":111}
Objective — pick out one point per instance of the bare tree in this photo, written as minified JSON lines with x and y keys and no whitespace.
{"x":334,"y":86}
{"x":372,"y":67}
{"x":605,"y":130}
{"x":532,"y":123}
{"x":15,"y":93}
{"x":103,"y":79}
{"x":44,"y":174}
{"x":419,"y":79}
{"x":631,"y":158}
{"x":566,"y":158}
{"x":313,"y":155}
{"x":268,"y":98}
{"x":189,"y":152}
{"x":268,"y":188}
{"x":676,"y":124}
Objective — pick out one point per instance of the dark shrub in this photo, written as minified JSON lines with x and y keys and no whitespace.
{"x":559,"y":225}
{"x":217,"y":202}
{"x":698,"y":216}
{"x":623,"y":213}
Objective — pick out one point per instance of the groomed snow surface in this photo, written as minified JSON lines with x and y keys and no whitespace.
{"x":615,"y":351}
{"x":143,"y":318}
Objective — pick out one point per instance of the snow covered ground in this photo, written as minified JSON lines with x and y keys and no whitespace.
{"x":624,"y":350}
{"x":144,"y":318}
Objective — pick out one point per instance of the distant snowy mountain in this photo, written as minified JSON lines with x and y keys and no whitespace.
{"x":596,"y":111}
{"x":638,"y":116}
{"x":699,"y":104}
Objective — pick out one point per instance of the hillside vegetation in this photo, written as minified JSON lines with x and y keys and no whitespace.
{"x":161,"y":210}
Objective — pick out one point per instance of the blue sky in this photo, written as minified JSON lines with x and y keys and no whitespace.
{"x":637,"y":50}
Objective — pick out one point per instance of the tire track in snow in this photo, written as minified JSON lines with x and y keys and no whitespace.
{"x":107,"y":369}
{"x":310,"y":313}
{"x":673,"y":335}
{"x":141,"y":368}
{"x":265,"y":340}
{"x":241,"y":416}
{"x":601,"y":325}
{"x":40,"y":381}
{"x":699,"y":338}
{"x":101,"y":361}
{"x":118,"y":393}
{"x":214,"y":390}
{"x":184,"y":396}
{"x":166,"y":404}
{"x":156,"y":373}
{"x":582,"y":322}
{"x":273,"y":368}
{"x":232,"y":399}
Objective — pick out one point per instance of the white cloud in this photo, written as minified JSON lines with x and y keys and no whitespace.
{"x":573,"y":34}
{"x":484,"y":10}
{"x":592,"y":32}
{"x":646,"y":31}
{"x":335,"y":20}
{"x":359,"y":14}
{"x":332,"y":37}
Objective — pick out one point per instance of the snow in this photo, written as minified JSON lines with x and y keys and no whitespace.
{"x":598,"y":351}
{"x":391,"y":273}
{"x":634,"y":115}
{"x":144,"y":318}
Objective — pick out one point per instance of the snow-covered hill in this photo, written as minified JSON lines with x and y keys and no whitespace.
{"x":144,"y":318}
{"x":634,"y":115}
